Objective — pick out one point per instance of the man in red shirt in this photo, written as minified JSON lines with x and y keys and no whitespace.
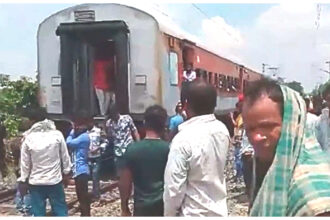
{"x":104,"y":82}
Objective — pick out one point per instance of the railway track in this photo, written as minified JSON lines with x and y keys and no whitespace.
{"x":8,"y":207}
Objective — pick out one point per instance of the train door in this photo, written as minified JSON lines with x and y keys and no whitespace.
{"x":188,"y":53}
{"x":82,"y":96}
{"x":80,"y":44}
{"x":74,"y":74}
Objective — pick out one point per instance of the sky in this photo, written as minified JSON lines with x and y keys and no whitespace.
{"x":289,"y":36}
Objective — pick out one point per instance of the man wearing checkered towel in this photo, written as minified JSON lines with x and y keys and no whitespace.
{"x":292,"y":174}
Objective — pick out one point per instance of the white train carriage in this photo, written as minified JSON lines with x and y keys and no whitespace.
{"x":149,"y":58}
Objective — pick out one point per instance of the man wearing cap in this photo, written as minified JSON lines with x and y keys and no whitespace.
{"x":78,"y":142}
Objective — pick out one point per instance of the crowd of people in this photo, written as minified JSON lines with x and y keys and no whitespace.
{"x":177,"y":169}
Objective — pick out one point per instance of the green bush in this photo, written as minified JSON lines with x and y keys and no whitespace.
{"x":15,"y":96}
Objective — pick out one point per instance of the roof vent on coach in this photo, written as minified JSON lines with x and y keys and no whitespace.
{"x":85,"y":15}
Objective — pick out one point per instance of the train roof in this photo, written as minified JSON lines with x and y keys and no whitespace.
{"x":165,"y":23}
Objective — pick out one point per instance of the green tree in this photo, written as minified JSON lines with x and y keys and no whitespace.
{"x":319,"y":88}
{"x":15,"y":96}
{"x":296,"y":86}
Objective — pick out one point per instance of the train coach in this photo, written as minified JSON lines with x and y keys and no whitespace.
{"x":149,"y":58}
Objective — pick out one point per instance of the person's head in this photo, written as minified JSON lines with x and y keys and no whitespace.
{"x":307,"y":102}
{"x":93,"y":123}
{"x":201,"y":98}
{"x":178,"y":108}
{"x":155,"y":119}
{"x":113,"y":112}
{"x":240,"y":97}
{"x":239,"y":106}
{"x":35,"y":114}
{"x":189,"y":67}
{"x":262,"y":116}
{"x":81,"y":122}
{"x":326,"y":94}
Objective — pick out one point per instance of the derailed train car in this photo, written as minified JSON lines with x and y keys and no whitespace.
{"x":149,"y":59}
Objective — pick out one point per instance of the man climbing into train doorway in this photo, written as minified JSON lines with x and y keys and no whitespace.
{"x":189,"y":75}
{"x":104,"y":77}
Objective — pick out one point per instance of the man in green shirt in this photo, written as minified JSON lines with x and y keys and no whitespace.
{"x":144,"y":166}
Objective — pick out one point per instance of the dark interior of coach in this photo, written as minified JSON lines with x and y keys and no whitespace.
{"x":82,"y":44}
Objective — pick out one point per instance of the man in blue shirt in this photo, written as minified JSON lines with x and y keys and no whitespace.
{"x":78,"y":142}
{"x":176,"y":120}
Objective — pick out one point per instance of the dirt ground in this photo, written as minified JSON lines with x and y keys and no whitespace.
{"x":109,"y":204}
{"x":237,"y":200}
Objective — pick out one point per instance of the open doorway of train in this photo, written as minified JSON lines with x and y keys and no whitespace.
{"x":104,"y":73}
{"x":188,"y":54}
{"x":94,"y":66}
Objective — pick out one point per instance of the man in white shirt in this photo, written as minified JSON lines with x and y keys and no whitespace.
{"x":323,"y":123}
{"x":189,"y":75}
{"x":44,"y":157}
{"x":311,"y":119}
{"x":97,"y":146}
{"x":194,"y":175}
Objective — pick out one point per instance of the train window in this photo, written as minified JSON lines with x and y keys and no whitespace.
{"x":210,"y":77}
{"x":198,"y":72}
{"x":173,"y":68}
{"x":204,"y":74}
{"x":227,"y":83}
{"x":237,"y":84}
{"x":222,"y":81}
{"x":216,"y":80}
{"x":245,"y":84}
{"x":232,"y":84}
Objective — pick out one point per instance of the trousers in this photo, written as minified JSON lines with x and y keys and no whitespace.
{"x":184,"y":91}
{"x":104,"y":98}
{"x":238,"y":162}
{"x":95,"y":168}
{"x":247,"y":172}
{"x":81,"y":183}
{"x":156,"y":209}
{"x":56,"y":196}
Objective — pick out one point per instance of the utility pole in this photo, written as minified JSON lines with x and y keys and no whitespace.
{"x":327,"y":71}
{"x":328,"y":62}
{"x":263,"y":67}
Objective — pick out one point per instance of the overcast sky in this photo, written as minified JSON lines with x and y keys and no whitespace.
{"x":289,"y":36}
